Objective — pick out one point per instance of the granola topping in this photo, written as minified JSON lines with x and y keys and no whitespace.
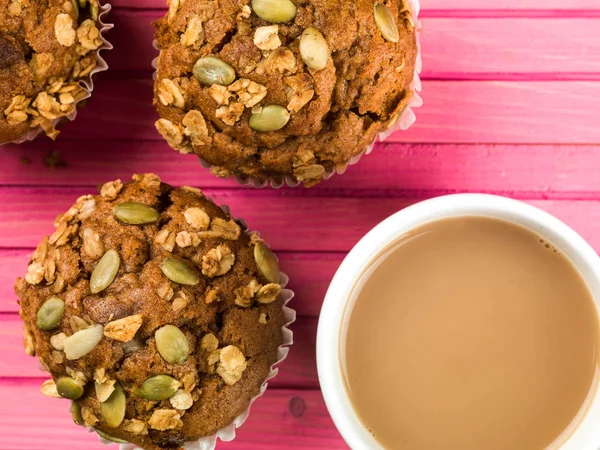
{"x":124,"y":329}
{"x":169,"y":93}
{"x":63,"y":30}
{"x":268,"y":293}
{"x":88,"y":37}
{"x":302,"y":91}
{"x":281,"y":60}
{"x":89,"y":418}
{"x":232,"y":364}
{"x":193,"y":33}
{"x":230,"y":114}
{"x":220,"y":94}
{"x":197,"y":218}
{"x":217,"y":261}
{"x":249,"y":93}
{"x":195,"y":128}
{"x":135,"y":426}
{"x":92,"y":244}
{"x":267,"y":38}
{"x":181,"y":400}
{"x":165,"y":419}
{"x":245,"y":294}
{"x":111,"y":190}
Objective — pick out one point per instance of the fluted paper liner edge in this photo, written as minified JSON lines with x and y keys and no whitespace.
{"x":87,"y":83}
{"x":406,"y":119}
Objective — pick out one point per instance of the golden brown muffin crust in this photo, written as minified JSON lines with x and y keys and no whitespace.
{"x":231,"y":318}
{"x":336,"y":111}
{"x":46,"y":46}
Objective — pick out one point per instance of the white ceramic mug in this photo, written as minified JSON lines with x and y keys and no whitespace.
{"x":585,"y":431}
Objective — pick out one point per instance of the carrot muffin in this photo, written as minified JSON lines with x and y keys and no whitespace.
{"x":154,"y":311}
{"x":268,"y":89}
{"x":46,"y":47}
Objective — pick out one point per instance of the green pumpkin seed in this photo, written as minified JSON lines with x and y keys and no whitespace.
{"x":82,"y":3}
{"x":94,"y":12}
{"x":172,"y":344}
{"x":81,"y":343}
{"x":266,"y":262}
{"x":108,"y":437}
{"x":314,"y":49}
{"x":269,"y":118}
{"x":212,"y":70}
{"x":386,"y":23}
{"x":76,"y":413}
{"x":160,"y":387}
{"x":105,"y":271}
{"x":67,"y":387}
{"x":113,"y":409}
{"x":275,"y":11}
{"x":135,"y":213}
{"x":50,"y":313}
{"x":179,"y":272}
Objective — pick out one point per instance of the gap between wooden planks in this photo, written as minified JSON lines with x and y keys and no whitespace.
{"x":33,"y":422}
{"x":453,"y":48}
{"x":288,"y":221}
{"x":437,"y":5}
{"x":395,"y":169}
{"x":521,"y":112}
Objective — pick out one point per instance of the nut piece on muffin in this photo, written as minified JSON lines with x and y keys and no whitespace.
{"x":45,"y":49}
{"x":274,"y":89}
{"x":154,"y":311}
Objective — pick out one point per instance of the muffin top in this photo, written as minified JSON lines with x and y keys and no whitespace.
{"x":269,"y":89}
{"x":154,"y":311}
{"x":46,"y":46}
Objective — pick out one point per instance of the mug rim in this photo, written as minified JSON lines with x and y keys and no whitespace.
{"x":583,"y":434}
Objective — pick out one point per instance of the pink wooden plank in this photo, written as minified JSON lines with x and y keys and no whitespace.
{"x":298,"y":370}
{"x":132,"y":39}
{"x":511,"y":45}
{"x":434,"y":4}
{"x":452,"y":47}
{"x":454,"y":112}
{"x":289,"y":220}
{"x":298,"y":418}
{"x":507,"y":4}
{"x":516,"y":112}
{"x":310,"y":274}
{"x":540,"y":170}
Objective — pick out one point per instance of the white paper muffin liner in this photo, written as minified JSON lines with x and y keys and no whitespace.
{"x":227,"y":433}
{"x":87,"y":83}
{"x":405,"y":120}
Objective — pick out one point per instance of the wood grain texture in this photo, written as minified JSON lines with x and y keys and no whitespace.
{"x":30,"y":421}
{"x":454,"y":112}
{"x":299,"y":370}
{"x":512,"y":96}
{"x":487,"y":47}
{"x":391,"y":169}
{"x":442,"y":5}
{"x":289,"y":220}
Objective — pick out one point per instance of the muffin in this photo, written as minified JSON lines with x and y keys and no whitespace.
{"x":275,"y":89}
{"x":154,"y":311}
{"x":46,"y":48}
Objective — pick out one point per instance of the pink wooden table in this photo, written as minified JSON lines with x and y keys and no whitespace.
{"x":512,"y":106}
